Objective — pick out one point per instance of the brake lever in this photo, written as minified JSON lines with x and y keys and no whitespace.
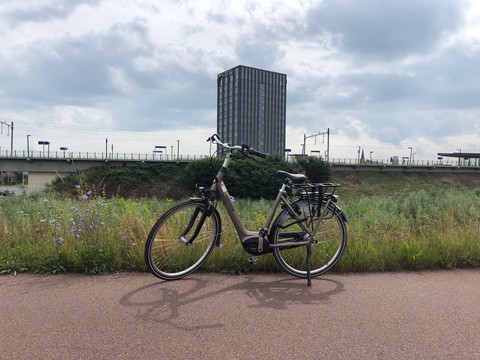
{"x":245,"y":152}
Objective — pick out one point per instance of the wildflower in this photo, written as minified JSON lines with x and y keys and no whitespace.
{"x":73,"y":208}
{"x":45,"y":200}
{"x":58,"y":240}
{"x":52,"y":222}
{"x":84,"y":197}
{"x":77,"y":186}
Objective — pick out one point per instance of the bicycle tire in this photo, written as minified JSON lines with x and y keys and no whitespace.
{"x":331,"y":236}
{"x":166,"y":255}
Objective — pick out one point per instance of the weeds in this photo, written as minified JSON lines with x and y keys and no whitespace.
{"x":87,"y":233}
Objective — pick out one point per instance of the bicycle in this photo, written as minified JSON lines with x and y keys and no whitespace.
{"x":307,"y":237}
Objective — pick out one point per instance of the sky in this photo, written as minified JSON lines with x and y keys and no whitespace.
{"x":128,"y":75}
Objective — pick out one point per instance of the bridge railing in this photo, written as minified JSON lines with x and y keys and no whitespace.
{"x":423,"y":163}
{"x":166,"y":157}
{"x":98,"y":156}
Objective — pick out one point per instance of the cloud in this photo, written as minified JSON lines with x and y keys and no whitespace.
{"x":43,"y":11}
{"x":373,"y":30}
{"x":389,"y":73}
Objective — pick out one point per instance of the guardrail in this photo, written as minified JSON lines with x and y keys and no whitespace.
{"x":444,"y":162}
{"x":59,"y":155}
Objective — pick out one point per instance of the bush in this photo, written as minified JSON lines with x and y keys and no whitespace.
{"x":245,"y":178}
{"x":316,"y":169}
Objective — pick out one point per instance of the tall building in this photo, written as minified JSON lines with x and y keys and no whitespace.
{"x":251,"y":108}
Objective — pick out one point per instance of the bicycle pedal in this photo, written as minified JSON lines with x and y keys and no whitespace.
{"x":253,"y":260}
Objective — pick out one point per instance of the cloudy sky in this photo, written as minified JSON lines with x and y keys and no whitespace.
{"x":383,"y":75}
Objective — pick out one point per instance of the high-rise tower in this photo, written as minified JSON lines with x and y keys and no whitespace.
{"x":251,"y":108}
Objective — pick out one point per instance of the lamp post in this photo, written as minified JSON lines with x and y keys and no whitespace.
{"x":371,"y":161}
{"x":43,"y":143}
{"x":158,"y":149}
{"x":410,"y":158}
{"x":178,"y":149}
{"x":28,"y":146}
{"x":63,"y":148}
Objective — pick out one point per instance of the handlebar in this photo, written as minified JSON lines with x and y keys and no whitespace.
{"x":244,"y":149}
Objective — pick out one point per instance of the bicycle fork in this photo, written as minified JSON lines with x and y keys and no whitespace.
{"x":182,"y":238}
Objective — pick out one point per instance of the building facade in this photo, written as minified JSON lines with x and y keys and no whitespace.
{"x":251,"y":108}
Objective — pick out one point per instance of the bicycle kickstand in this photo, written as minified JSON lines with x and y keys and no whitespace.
{"x":309,"y":253}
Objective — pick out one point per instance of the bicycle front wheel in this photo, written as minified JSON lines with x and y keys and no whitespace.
{"x":331,"y":238}
{"x":181,"y":240}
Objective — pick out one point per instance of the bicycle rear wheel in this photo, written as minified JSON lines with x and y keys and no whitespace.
{"x":179,"y":243}
{"x":331,"y":238}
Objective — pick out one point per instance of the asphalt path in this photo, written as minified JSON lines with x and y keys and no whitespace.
{"x":412,"y":315}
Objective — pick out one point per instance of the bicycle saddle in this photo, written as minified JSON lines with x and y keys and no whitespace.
{"x":296,"y":178}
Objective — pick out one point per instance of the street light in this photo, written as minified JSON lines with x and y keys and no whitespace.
{"x":371,"y":152}
{"x":410,"y":158}
{"x":63,"y":148}
{"x":157,"y":147}
{"x":43,"y":143}
{"x":28,"y":145}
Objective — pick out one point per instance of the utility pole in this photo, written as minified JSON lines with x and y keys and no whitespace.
{"x":305,"y":137}
{"x":9,"y":126}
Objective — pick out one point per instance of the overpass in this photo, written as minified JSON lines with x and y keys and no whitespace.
{"x":43,"y":169}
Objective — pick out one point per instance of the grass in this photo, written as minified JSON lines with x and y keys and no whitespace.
{"x":409,"y":227}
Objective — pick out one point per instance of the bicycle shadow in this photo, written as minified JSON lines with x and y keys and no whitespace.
{"x":166,"y":301}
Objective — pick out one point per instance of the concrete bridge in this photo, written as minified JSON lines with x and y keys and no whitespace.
{"x":42,"y":170}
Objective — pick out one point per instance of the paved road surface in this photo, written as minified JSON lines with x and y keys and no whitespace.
{"x":424,"y":315}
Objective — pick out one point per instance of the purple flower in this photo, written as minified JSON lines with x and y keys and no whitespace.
{"x":77,"y":186}
{"x":45,"y":200}
{"x":58,"y":240}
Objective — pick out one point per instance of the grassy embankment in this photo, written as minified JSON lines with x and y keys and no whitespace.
{"x":396,"y":222}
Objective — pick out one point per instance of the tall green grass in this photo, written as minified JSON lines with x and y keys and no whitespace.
{"x":87,"y":233}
